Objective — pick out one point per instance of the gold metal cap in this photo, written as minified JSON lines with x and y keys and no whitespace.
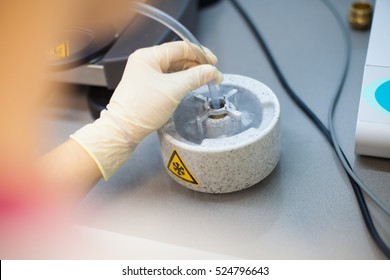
{"x":360,"y":15}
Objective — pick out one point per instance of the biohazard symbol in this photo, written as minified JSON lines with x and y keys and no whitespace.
{"x":60,"y":51}
{"x":178,"y":168}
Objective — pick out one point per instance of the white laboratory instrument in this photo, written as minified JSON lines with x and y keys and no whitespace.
{"x":372,"y":136}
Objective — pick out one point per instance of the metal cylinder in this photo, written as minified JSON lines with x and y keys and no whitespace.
{"x":360,"y":15}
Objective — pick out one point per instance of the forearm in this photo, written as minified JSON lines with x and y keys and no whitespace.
{"x":69,"y":171}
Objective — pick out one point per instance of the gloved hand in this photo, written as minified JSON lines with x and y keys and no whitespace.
{"x":154,"y":82}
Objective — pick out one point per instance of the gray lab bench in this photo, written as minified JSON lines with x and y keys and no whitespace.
{"x":306,"y":208}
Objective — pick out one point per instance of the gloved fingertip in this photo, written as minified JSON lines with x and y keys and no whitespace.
{"x":209,"y":73}
{"x":211,"y":56}
{"x":219,"y":77}
{"x":197,"y":76}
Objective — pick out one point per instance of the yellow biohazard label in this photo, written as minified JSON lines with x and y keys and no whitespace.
{"x":60,"y":51}
{"x":179,"y":169}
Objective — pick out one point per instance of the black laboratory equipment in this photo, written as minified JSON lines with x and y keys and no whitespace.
{"x":85,"y":57}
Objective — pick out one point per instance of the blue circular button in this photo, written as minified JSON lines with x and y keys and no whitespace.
{"x":382,"y":95}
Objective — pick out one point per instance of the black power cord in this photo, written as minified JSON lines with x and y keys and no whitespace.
{"x":317,"y":122}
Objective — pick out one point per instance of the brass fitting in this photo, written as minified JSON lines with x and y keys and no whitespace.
{"x":360,"y":15}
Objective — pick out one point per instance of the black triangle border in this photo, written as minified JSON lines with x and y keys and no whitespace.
{"x":194,"y":181}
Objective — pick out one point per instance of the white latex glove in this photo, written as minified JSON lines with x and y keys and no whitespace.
{"x":154,"y":82}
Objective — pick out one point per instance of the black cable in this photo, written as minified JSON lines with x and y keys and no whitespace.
{"x":317,"y":122}
{"x":279,"y":74}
